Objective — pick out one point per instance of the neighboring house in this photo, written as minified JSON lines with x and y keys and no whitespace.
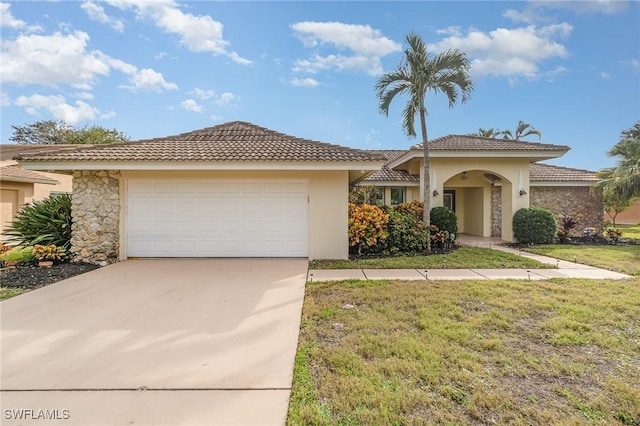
{"x":630,"y":216}
{"x":19,"y":187}
{"x":485,"y":181}
{"x":233,"y":190}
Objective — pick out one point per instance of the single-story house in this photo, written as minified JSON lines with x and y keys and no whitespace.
{"x":232,"y":190}
{"x":485,"y":181}
{"x":240,"y":190}
{"x":19,"y":187}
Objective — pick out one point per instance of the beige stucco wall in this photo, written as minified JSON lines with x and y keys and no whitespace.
{"x":328,"y":204}
{"x":42,"y":191}
{"x":470,"y":220}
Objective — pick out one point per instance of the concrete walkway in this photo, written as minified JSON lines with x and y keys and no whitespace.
{"x":563,"y":269}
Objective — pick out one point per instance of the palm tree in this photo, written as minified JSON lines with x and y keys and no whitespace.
{"x":487,"y":133}
{"x":522,"y":131}
{"x":420,"y":72}
{"x":624,"y":178}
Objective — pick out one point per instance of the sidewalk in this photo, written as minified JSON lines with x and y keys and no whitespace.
{"x":564,"y":270}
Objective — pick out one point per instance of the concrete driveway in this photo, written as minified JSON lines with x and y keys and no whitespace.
{"x":158,"y":341}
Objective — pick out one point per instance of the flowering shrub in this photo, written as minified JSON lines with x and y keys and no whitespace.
{"x":414,"y":208}
{"x":613,"y":234}
{"x":50,"y":252}
{"x":589,"y":232}
{"x":367,"y":227}
{"x":407,"y":233}
{"x":4,"y":248}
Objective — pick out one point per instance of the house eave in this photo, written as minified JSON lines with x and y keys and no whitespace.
{"x":28,"y":180}
{"x":533,"y":156}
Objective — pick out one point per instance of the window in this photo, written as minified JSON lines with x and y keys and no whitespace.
{"x":377,"y":197}
{"x":449,"y":199}
{"x":397,"y":196}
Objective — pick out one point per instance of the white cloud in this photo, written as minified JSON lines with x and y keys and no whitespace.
{"x":198,"y":33}
{"x":97,"y":13}
{"x":506,"y":52}
{"x":634,"y":63}
{"x":7,"y":20}
{"x":63,"y":59}
{"x":304,"y":82}
{"x":605,"y":75}
{"x":51,"y":60}
{"x":607,"y":7}
{"x":148,"y":80}
{"x":191,"y":105}
{"x":83,"y":95}
{"x":58,"y":107}
{"x":364,"y":45}
{"x":202,"y":94}
{"x":225,"y":98}
{"x":5,"y":100}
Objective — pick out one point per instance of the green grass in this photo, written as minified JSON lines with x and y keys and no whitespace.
{"x":9,"y":292}
{"x":630,"y":231}
{"x":462,"y":258}
{"x":468,"y":352}
{"x":625,"y":259}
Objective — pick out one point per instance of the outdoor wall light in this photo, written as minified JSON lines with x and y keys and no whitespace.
{"x":435,"y":193}
{"x":465,"y":176}
{"x":522,"y":192}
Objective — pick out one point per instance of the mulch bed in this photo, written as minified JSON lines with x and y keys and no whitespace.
{"x":31,"y":276}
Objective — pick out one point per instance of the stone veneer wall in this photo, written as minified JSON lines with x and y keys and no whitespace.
{"x":582,"y":203}
{"x":496,"y":211}
{"x":96,"y":216}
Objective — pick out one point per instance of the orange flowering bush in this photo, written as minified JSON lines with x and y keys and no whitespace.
{"x":367,"y":226}
{"x":4,"y":248}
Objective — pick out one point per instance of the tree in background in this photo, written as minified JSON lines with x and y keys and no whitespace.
{"x":418,"y":73}
{"x":614,"y":204}
{"x":522,"y":131}
{"x":488,"y":133}
{"x":624,"y":179}
{"x":50,"y":132}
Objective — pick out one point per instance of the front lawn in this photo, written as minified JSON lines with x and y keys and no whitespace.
{"x":468,"y":352}
{"x":630,"y":231}
{"x":625,"y":259}
{"x":462,"y":258}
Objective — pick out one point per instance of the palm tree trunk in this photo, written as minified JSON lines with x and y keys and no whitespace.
{"x":427,"y":172}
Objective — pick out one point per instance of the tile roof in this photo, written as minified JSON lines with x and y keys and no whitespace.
{"x":389,"y":175}
{"x":234,"y":141}
{"x":8,"y":151}
{"x":16,"y":173}
{"x":548,"y":173}
{"x":479,"y":143}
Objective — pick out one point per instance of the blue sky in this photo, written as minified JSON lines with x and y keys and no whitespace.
{"x":158,"y":68}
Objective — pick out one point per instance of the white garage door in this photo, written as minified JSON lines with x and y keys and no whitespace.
{"x":217,"y":218}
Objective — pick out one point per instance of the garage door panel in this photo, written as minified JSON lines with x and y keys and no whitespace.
{"x":217,"y":218}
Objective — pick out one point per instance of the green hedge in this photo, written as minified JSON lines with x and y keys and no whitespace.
{"x":445,"y":219}
{"x":534,"y":225}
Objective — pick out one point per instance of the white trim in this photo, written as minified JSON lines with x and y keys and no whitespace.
{"x":197,"y":165}
{"x":531,"y":154}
